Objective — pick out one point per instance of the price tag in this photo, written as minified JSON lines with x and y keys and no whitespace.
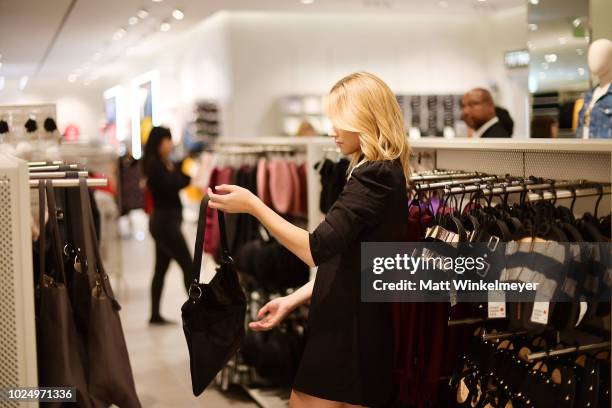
{"x":496,"y":305}
{"x":540,"y":312}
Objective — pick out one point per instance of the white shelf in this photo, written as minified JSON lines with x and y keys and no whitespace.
{"x":512,"y":144}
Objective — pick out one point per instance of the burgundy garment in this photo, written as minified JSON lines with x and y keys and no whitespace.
{"x":421,"y":334}
{"x":295,"y":187}
{"x":418,"y":221}
{"x":302,"y":173}
{"x":212,"y":236}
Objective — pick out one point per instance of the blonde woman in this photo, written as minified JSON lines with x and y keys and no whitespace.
{"x":347,"y":359}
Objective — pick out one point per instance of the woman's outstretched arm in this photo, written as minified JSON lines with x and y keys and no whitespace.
{"x":241,"y":200}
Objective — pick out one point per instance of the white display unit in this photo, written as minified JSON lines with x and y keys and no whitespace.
{"x":17,"y":325}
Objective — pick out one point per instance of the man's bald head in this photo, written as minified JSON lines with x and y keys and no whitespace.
{"x":477,"y":107}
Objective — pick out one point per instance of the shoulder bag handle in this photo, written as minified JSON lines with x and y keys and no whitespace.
{"x":199,"y":244}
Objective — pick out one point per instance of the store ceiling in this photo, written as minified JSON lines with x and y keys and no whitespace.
{"x":63,"y":39}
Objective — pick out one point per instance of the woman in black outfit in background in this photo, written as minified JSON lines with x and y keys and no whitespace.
{"x":165,"y":180}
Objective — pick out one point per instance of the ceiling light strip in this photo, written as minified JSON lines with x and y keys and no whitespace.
{"x":55,"y":35}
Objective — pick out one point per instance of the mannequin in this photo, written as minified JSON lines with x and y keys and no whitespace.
{"x":596,"y":115}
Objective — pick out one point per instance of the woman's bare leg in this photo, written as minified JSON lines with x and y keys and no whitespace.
{"x":300,"y":400}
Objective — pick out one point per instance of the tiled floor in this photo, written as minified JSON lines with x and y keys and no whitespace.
{"x":159,"y":354}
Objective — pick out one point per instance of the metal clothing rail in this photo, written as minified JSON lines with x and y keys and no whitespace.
{"x":471,"y":320}
{"x":42,"y":163}
{"x":498,"y":336}
{"x":448,"y":176}
{"x":67,"y":183}
{"x":442,"y":184}
{"x":34,"y":169}
{"x":57,"y":174}
{"x":568,"y":350}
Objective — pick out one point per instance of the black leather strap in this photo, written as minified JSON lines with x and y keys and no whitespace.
{"x":56,"y":244}
{"x":88,"y":265}
{"x":200,"y":237}
{"x":41,"y":229}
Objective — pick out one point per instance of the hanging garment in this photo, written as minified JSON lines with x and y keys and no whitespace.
{"x":60,"y":350}
{"x":110,"y":376}
{"x":213,"y":315}
{"x":296,"y":186}
{"x":217,"y":178}
{"x":263,"y":187}
{"x":281,"y":185}
{"x":333,"y":179}
{"x":302,"y":173}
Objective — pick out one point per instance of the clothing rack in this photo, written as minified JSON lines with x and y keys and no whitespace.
{"x":59,"y":167}
{"x":568,"y":350}
{"x":472,"y":320}
{"x":57,"y":174}
{"x":499,"y":336}
{"x":68,"y":183}
{"x":43,"y":163}
{"x":448,"y":176}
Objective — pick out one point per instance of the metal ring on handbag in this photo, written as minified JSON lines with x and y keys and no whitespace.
{"x":198,"y":288}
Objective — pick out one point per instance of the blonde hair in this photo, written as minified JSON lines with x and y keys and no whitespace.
{"x":363,"y":103}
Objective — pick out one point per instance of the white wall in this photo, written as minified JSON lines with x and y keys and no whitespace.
{"x":279,"y":54}
{"x":75,"y":104}
{"x":247,"y":60}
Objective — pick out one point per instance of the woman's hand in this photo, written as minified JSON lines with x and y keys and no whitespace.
{"x":238,"y":199}
{"x":272,"y":314}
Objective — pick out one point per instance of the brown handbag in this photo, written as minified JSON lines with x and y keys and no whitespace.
{"x":58,"y":344}
{"x":110,"y":373}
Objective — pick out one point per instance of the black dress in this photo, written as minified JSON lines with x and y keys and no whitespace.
{"x":349,"y":350}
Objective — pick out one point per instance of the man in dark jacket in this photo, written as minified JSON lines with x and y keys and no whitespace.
{"x":478,"y":111}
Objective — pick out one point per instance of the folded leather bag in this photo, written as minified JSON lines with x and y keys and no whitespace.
{"x":214,"y":314}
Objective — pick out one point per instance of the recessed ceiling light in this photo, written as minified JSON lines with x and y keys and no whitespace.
{"x":178,"y":14}
{"x":157,"y":1}
{"x":482,"y":1}
{"x":142,"y":14}
{"x":550,"y":58}
{"x":533,"y":27}
{"x":562,"y":40}
{"x":581,"y":71}
{"x":577,"y":22}
{"x":307,"y":1}
{"x":119,"y":34}
{"x":23,"y":82}
{"x":443,"y":4}
{"x":165,"y":26}
{"x":72,"y":78}
{"x":1,"y":83}
{"x":534,"y":2}
{"x":133,"y":20}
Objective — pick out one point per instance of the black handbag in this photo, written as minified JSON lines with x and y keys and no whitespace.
{"x":110,"y":373}
{"x":214,"y":314}
{"x":59,"y":348}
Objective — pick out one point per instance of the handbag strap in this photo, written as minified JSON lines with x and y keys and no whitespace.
{"x":41,"y":234}
{"x":89,"y":264}
{"x":55,"y":234}
{"x":96,"y":261}
{"x":199,"y":245}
